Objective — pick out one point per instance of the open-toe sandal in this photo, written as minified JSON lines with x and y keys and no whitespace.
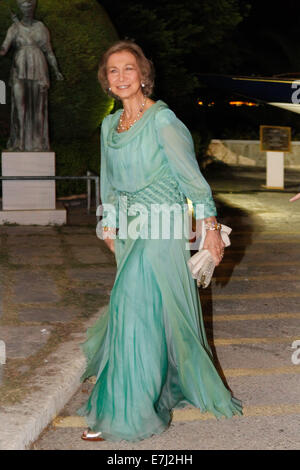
{"x":89,"y":435}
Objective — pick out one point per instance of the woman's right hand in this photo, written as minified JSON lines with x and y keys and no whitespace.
{"x":110,"y":242}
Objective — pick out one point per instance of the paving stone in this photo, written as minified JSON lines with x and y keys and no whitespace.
{"x":83,"y":239}
{"x":257,"y":287}
{"x":255,"y":355}
{"x":257,"y":329}
{"x":2,"y":369}
{"x":2,"y":352}
{"x":91,"y":255}
{"x":74,"y":230}
{"x":257,"y":249}
{"x":21,"y":230}
{"x":102,"y":290}
{"x":36,"y":261}
{"x":261,"y":238}
{"x":93,"y":275}
{"x":35,"y":241}
{"x":36,"y":256}
{"x":269,"y":256}
{"x":23,"y":341}
{"x":2,"y":276}
{"x":58,"y":314}
{"x":237,"y":433}
{"x":256,"y":270}
{"x":236,"y":305}
{"x":23,"y":369}
{"x":32,"y":287}
{"x":258,"y":390}
{"x":1,"y":300}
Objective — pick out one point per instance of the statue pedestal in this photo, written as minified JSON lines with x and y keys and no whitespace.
{"x":32,"y":201}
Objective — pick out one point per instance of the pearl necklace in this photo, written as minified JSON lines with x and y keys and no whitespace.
{"x":125,"y":127}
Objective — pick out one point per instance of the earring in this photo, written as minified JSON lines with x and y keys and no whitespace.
{"x":143,"y":85}
{"x":109,"y":89}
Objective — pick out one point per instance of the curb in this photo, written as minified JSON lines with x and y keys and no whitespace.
{"x":55,"y":383}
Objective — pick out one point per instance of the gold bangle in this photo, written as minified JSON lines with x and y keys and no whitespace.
{"x":108,"y":229}
{"x":213,"y":226}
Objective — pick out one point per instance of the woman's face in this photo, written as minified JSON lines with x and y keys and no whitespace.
{"x":27,"y":7}
{"x":123,"y":74}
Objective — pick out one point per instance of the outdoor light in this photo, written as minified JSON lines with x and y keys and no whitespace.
{"x":201,"y":103}
{"x":242,"y":103}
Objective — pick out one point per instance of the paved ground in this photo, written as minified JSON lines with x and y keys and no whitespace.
{"x":53,"y":281}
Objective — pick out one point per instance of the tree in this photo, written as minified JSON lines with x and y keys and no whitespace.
{"x":182,"y":38}
{"x":80,"y":32}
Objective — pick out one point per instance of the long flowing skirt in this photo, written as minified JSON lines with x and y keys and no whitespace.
{"x":149,"y":350}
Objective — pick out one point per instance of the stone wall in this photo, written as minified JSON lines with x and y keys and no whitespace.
{"x":247,"y":153}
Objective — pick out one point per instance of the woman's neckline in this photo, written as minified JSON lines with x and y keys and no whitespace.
{"x":144,"y":113}
{"x":119,"y":139}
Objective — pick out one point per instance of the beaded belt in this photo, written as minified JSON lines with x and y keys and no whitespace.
{"x":163,"y":190}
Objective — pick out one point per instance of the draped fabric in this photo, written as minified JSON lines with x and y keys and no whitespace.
{"x":149,"y":350}
{"x":32,"y":42}
{"x":29,"y":73}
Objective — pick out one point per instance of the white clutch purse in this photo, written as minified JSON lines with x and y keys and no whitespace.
{"x":201,"y":264}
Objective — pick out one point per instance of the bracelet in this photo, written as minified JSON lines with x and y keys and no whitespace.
{"x":213,"y":226}
{"x":109,"y":229}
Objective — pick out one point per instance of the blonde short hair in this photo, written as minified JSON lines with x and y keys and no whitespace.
{"x":145,"y":66}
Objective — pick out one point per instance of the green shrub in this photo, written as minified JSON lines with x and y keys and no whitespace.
{"x":80,"y":32}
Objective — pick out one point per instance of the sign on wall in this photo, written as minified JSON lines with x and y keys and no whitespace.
{"x":275,"y":139}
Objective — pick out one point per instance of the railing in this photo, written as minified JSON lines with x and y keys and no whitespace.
{"x":88,"y":178}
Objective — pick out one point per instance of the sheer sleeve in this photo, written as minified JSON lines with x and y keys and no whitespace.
{"x":109,"y":196}
{"x":177,"y":143}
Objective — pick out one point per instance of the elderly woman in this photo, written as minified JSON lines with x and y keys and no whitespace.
{"x":149,"y":350}
{"x":29,"y":80}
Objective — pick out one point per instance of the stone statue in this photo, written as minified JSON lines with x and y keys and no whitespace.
{"x":29,"y":80}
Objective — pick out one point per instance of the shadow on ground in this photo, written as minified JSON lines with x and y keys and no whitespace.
{"x":242,"y":223}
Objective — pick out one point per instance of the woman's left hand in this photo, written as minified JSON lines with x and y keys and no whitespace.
{"x":215,"y":245}
{"x":295,"y":198}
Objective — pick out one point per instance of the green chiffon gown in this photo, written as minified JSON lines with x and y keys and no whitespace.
{"x":148,"y":350}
